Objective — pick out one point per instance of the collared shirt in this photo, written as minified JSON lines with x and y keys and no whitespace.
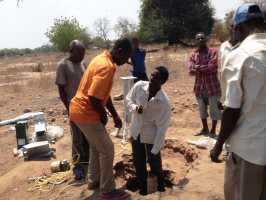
{"x":245,"y":74}
{"x":97,"y":82}
{"x":138,"y":62}
{"x":69,"y":74}
{"x":152,"y":124}
{"x":205,"y":68}
{"x":224,"y":49}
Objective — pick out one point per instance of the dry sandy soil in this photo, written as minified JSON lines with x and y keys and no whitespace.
{"x":22,"y":88}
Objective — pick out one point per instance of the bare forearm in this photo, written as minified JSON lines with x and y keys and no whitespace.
{"x":63,"y":97}
{"x":97,"y":105}
{"x":110,"y":107}
{"x":208,"y":68}
{"x":229,"y":121}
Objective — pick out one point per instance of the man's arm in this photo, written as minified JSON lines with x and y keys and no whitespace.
{"x":130,"y":99}
{"x":110,"y":107}
{"x":212,"y":65}
{"x":229,"y":121}
{"x":162,"y":123}
{"x":63,"y":96}
{"x":61,"y":81}
{"x":98,"y":106}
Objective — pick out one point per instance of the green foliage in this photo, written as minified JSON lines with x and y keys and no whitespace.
{"x":100,"y":42}
{"x":64,"y":31}
{"x":220,"y":31}
{"x":125,"y":28}
{"x":21,"y":52}
{"x":44,"y":49}
{"x":174,"y":20}
{"x":15,"y":52}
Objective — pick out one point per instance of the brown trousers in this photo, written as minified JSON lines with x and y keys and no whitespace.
{"x":101,"y":156}
{"x":244,"y":180}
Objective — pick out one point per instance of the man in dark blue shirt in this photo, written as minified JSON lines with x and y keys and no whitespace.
{"x":138,"y":61}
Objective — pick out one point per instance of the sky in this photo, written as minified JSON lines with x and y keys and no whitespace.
{"x":24,"y":26}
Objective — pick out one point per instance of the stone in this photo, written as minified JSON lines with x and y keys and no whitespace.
{"x":50,"y":112}
{"x":65,"y":112}
{"x":27,"y":110}
{"x":119,"y":97}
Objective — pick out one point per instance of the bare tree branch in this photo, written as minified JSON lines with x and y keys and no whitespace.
{"x":102,"y":28}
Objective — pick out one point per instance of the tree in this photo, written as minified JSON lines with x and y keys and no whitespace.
{"x":102,"y":28}
{"x":174,"y":20}
{"x":125,"y":28}
{"x":220,"y":30}
{"x":228,"y":19}
{"x":64,"y":31}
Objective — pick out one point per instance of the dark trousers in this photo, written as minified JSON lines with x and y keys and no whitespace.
{"x":140,"y":162}
{"x":80,"y":147}
{"x":141,"y":77}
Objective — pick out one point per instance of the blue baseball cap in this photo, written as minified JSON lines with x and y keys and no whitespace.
{"x":246,"y":12}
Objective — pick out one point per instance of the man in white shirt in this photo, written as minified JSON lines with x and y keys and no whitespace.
{"x":244,"y":119}
{"x":151,"y":115}
{"x":224,"y":50}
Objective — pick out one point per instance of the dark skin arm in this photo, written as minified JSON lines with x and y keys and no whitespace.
{"x":229,"y":121}
{"x":97,"y":105}
{"x":110,"y":107}
{"x":63,"y":96}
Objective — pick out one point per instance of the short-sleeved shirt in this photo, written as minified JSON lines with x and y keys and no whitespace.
{"x":244,"y":72}
{"x":97,"y":82}
{"x":225,"y":48}
{"x":69,"y":74}
{"x":138,"y":62}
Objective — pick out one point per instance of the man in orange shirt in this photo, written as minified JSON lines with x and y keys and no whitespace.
{"x":87,"y":111}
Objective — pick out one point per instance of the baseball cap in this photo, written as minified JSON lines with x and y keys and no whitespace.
{"x":246,"y":12}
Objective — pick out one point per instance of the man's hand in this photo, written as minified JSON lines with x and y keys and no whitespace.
{"x":216,"y":152}
{"x":197,"y":67}
{"x":104,"y":118}
{"x":118,"y":122}
{"x":130,"y":139}
{"x":140,"y":109}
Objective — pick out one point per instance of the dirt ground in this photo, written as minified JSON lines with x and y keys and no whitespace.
{"x":27,"y":82}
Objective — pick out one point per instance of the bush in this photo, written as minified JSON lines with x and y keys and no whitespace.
{"x":64,"y":31}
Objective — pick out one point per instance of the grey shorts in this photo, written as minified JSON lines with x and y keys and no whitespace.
{"x":215,"y":112}
{"x":244,"y":180}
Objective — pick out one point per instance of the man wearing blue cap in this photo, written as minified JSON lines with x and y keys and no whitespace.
{"x":244,"y":119}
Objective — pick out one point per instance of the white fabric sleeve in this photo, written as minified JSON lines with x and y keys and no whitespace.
{"x":131,"y":99}
{"x":162,"y":123}
{"x":234,"y":88}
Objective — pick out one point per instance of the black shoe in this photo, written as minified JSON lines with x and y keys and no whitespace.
{"x":143,"y":187}
{"x":161,"y":188}
{"x":79,"y":173}
{"x":143,"y":191}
